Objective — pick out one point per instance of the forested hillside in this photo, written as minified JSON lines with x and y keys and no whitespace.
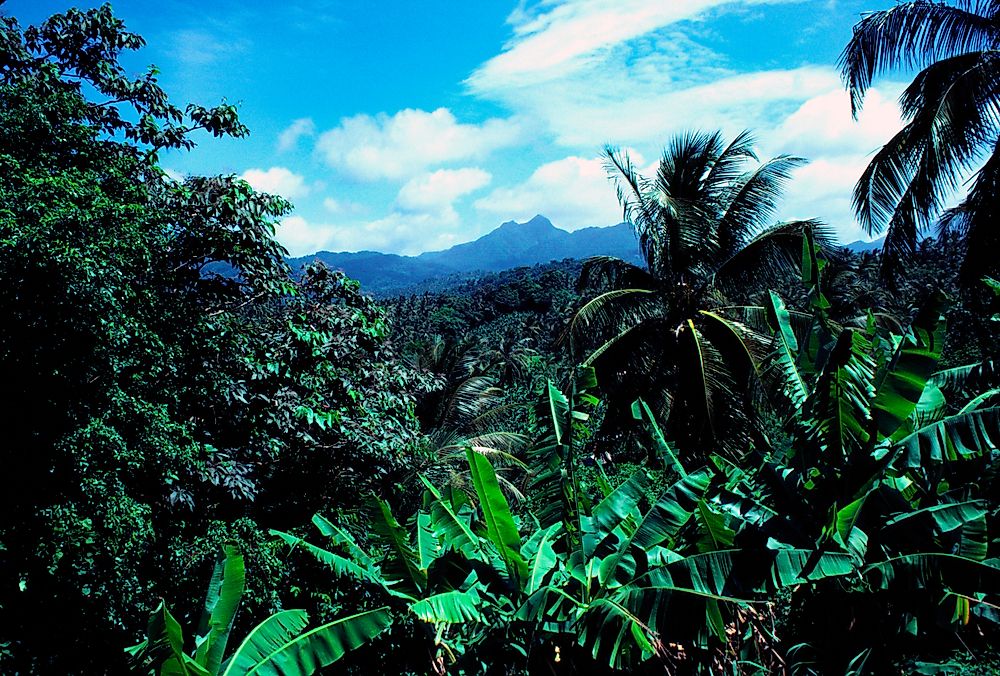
{"x":737,"y":448}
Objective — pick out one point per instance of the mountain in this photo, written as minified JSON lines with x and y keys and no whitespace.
{"x":860,"y":246}
{"x":508,"y":246}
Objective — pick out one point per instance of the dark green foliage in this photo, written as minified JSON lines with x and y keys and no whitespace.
{"x":154,"y":408}
{"x":793,"y":470}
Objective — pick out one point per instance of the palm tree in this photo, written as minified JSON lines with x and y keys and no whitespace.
{"x":951,"y":110}
{"x":663,"y":333}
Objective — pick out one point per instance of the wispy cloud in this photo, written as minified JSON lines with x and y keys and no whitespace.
{"x":198,"y":47}
{"x":634,"y":73}
{"x":396,"y":232}
{"x":557,"y":38}
{"x":301,"y":128}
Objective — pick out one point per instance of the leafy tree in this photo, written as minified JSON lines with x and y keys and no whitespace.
{"x":951,"y":113}
{"x":663,"y":333}
{"x":156,"y":408}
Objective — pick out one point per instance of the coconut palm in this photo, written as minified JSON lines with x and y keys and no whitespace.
{"x":951,"y":111}
{"x":662,"y":333}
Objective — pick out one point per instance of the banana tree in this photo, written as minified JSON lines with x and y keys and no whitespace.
{"x":608,"y":583}
{"x":881,"y":468}
{"x":281,"y":644}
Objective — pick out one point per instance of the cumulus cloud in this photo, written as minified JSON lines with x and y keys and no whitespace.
{"x":397,"y":232}
{"x":838,"y":149}
{"x":435,"y":192}
{"x":278,"y":181}
{"x":403,"y":145}
{"x":823,"y":125}
{"x":573,"y":192}
{"x":301,"y":128}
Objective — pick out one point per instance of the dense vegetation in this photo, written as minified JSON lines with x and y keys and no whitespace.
{"x":745,"y":456}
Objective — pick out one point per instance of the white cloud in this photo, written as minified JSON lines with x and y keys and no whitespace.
{"x":301,"y":237}
{"x":823,"y":125}
{"x":618,"y":105}
{"x":196,"y":47}
{"x":635,"y":73}
{"x":397,"y":232}
{"x":278,"y":181}
{"x":573,"y":192}
{"x":822,"y":189}
{"x":335,"y":206}
{"x":435,"y":192}
{"x":293,"y":133}
{"x":838,"y":149}
{"x":403,"y":145}
{"x":560,"y":37}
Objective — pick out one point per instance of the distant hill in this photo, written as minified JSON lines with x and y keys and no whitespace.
{"x":509,"y":246}
{"x":859,"y":246}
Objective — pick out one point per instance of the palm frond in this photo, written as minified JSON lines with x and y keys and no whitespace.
{"x":614,"y":272}
{"x":773,"y":253}
{"x":752,"y":202}
{"x":910,"y":36}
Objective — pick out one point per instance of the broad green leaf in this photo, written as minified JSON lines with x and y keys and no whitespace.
{"x":715,"y":532}
{"x":847,"y":517}
{"x":451,"y":529}
{"x":340,"y":565}
{"x":900,"y":386}
{"x":839,"y":405}
{"x":974,"y":541}
{"x":264,"y":639}
{"x":942,"y":518}
{"x":401,"y":564}
{"x":542,"y":560}
{"x":324,"y":645}
{"x":931,"y":406}
{"x":428,"y":547}
{"x":500,"y":526}
{"x":979,"y":400}
{"x":453,"y":607}
{"x":786,"y":352}
{"x":932,"y":569}
{"x":672,"y":510}
{"x":341,"y":537}
{"x":641,"y":411}
{"x":612,"y":511}
{"x":795,"y":566}
{"x":559,"y":413}
{"x":958,"y":437}
{"x":163,"y":648}
{"x":221,"y":602}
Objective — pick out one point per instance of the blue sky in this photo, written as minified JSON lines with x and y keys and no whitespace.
{"x":404,"y":127}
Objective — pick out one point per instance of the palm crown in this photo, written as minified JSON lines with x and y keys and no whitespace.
{"x":951,"y":111}
{"x":705,"y":226}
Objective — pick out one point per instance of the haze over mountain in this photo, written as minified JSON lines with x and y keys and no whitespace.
{"x":508,"y":246}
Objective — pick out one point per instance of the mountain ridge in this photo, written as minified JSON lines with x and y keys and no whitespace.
{"x":509,"y":245}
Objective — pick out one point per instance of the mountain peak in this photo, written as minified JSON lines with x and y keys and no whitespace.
{"x":538,"y":223}
{"x":511,"y":245}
